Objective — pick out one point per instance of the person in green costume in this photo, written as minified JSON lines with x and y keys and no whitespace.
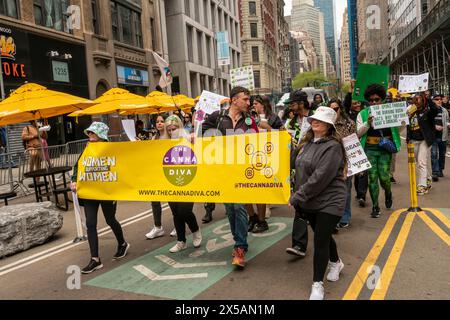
{"x":378,"y":157}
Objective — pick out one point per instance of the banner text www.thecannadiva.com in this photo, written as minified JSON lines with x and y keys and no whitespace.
{"x":191,"y":193}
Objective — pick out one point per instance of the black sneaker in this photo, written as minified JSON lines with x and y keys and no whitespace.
{"x":121,"y":251}
{"x":375,"y":212}
{"x":435,"y":178}
{"x":342,"y":225}
{"x":296,"y":251}
{"x":208,"y":217}
{"x":440,"y":174}
{"x":252,"y":223}
{"x":261,"y":227}
{"x":393,"y":180}
{"x":362,"y":202}
{"x":388,"y":200}
{"x":92,"y":266}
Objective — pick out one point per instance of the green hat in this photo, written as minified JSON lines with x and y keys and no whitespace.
{"x":99,"y":128}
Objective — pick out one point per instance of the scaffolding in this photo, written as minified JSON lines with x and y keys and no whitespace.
{"x":426,"y":49}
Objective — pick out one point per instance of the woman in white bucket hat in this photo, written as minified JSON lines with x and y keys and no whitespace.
{"x":320,"y":192}
{"x":98,"y":132}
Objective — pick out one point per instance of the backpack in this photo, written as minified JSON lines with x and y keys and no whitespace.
{"x":24,"y":143}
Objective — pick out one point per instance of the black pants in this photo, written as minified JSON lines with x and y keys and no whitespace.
{"x":183,"y":214}
{"x":210,"y":207}
{"x":157,"y":212}
{"x":109,"y":212}
{"x":300,"y":231}
{"x":361,"y":185}
{"x":325,"y":248}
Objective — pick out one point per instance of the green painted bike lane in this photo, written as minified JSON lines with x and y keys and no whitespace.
{"x":186,"y":274}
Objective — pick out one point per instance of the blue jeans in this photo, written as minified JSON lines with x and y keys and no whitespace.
{"x":438,"y":156}
{"x":348,"y":203}
{"x":237,"y":215}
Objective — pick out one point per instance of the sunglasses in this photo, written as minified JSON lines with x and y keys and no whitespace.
{"x":377,"y":100}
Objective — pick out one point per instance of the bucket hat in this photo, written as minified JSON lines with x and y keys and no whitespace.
{"x":99,"y":128}
{"x":324,"y":114}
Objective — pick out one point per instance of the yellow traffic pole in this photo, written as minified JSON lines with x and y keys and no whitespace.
{"x":412,"y":180}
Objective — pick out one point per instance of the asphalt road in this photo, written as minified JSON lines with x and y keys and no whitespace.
{"x":410,"y":253}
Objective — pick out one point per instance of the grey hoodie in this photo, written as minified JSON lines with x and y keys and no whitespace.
{"x":319,"y":183}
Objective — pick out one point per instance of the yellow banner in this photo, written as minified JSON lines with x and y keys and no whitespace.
{"x":250,"y":168}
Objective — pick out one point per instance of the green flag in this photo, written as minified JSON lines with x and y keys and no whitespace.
{"x":369,"y":74}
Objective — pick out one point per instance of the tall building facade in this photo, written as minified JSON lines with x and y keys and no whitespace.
{"x":328,"y":8}
{"x":192,"y":27}
{"x":260,"y":45}
{"x":294,"y":56}
{"x":308,"y":57}
{"x":353,"y":35}
{"x":305,"y":16}
{"x":344,"y":48}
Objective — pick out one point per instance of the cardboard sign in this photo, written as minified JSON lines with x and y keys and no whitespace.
{"x":389,"y":115}
{"x":369,"y":74}
{"x":356,"y":157}
{"x":209,"y":102}
{"x":129,"y":128}
{"x":410,"y":84}
{"x":243,"y":77}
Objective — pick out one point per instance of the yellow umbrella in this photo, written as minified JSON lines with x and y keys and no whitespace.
{"x":32,"y":101}
{"x":114,"y":100}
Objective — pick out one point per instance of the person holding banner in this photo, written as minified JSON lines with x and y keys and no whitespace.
{"x":234,"y":120}
{"x":320,"y":192}
{"x":98,"y":132}
{"x":344,"y":127}
{"x":182,"y":211}
{"x":378,"y":156}
{"x":421,"y":133}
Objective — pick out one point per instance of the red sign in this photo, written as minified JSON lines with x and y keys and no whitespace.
{"x":8,"y":52}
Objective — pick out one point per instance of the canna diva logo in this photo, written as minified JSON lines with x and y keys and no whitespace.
{"x":180,"y":165}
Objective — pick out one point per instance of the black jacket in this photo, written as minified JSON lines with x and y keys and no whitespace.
{"x":426,"y":122}
{"x":220,"y":120}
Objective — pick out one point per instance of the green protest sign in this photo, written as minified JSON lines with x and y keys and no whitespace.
{"x":369,"y":74}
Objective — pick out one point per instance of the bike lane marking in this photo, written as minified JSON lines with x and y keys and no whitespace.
{"x":186,"y":274}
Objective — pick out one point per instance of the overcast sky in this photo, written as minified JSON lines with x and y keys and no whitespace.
{"x":340,"y":8}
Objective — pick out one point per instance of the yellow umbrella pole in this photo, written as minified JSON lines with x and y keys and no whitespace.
{"x":412,"y":180}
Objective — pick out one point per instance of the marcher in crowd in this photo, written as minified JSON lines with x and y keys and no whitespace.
{"x":439,"y":148}
{"x":238,"y":120}
{"x":318,"y":100}
{"x":267,"y":120}
{"x":98,"y":132}
{"x":187,"y":122}
{"x":157,"y":230}
{"x":353,"y":108}
{"x":299,"y":104}
{"x":379,"y":157}
{"x":445,"y":103}
{"x":141,"y":134}
{"x":421,"y":133}
{"x":320,"y":193}
{"x":344,"y":127}
{"x":182,"y":211}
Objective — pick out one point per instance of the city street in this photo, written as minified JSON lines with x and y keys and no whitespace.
{"x":410,"y":251}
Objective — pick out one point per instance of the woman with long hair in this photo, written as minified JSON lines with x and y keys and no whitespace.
{"x":98,"y":132}
{"x":267,"y":120}
{"x":182,"y":211}
{"x":157,"y":230}
{"x":320,"y":192}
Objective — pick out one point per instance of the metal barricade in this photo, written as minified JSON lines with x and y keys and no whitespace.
{"x":73,"y":151}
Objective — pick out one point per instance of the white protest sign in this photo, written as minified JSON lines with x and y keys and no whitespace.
{"x":416,"y":83}
{"x":130,"y":129}
{"x":209,"y":102}
{"x":243,"y":77}
{"x":389,"y":115}
{"x":304,"y":128}
{"x":356,"y":157}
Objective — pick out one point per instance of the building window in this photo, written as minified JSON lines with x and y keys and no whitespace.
{"x":187,"y":7}
{"x":197,"y":11}
{"x":51,"y":14}
{"x":153,"y":33}
{"x":252,"y":8}
{"x":254,"y":30}
{"x":200,"y":48}
{"x":208,"y":51}
{"x":255,"y":54}
{"x":126,"y":24}
{"x":257,"y":77}
{"x":9,"y":8}
{"x":189,"y":44}
{"x":95,"y":22}
{"x":205,"y":12}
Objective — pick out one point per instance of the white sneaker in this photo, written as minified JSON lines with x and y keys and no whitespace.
{"x":173,"y":233}
{"x":317,"y":291}
{"x":335,"y":270}
{"x":179,"y":246}
{"x":155,"y":233}
{"x":197,"y":239}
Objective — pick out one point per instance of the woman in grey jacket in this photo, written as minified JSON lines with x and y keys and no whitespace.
{"x":320,"y":192}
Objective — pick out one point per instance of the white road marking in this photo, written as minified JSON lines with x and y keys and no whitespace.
{"x":156,"y":277}
{"x":178,"y":265}
{"x":68,"y":245}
